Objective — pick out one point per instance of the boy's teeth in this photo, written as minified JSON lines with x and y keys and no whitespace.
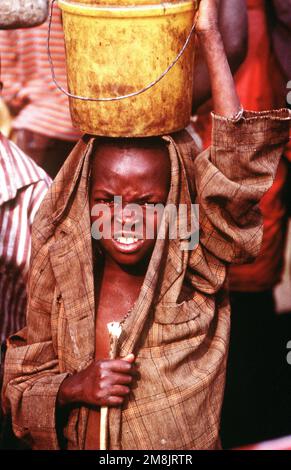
{"x":126,"y":240}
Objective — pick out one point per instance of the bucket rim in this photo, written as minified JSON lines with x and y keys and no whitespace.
{"x":161,"y":9}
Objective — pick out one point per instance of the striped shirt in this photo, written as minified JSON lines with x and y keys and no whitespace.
{"x":25,"y":68}
{"x":22,"y":187}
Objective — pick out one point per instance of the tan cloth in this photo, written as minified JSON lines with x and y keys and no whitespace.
{"x":181,"y":346}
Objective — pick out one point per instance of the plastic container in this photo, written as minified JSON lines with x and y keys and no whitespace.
{"x":113,"y":51}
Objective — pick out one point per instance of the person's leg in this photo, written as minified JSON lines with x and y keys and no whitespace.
{"x":248,"y":409}
{"x":283,"y":376}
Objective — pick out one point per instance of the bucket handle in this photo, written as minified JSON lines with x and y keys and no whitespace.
{"x":115,"y":98}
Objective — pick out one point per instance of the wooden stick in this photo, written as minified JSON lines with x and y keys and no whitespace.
{"x":114,"y":329}
{"x":103,"y":427}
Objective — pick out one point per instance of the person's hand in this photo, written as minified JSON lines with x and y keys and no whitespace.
{"x":18,"y":102}
{"x":225,"y":99}
{"x":102,"y":383}
{"x":207,"y":16}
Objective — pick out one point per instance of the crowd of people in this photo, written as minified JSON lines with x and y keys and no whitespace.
{"x":215,"y":378}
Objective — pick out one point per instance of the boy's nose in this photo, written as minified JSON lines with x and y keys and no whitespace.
{"x":129,"y":215}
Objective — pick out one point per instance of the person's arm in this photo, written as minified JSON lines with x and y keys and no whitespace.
{"x":32,"y":375}
{"x":234,"y":173}
{"x":232,"y":176}
{"x":233,"y":25}
{"x":283,"y":11}
{"x":225,"y":99}
{"x":281,"y":33}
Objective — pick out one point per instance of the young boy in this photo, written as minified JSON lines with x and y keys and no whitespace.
{"x":165,"y":387}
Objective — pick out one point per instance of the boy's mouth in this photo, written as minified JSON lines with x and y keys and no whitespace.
{"x":127,"y":243}
{"x":127,"y":240}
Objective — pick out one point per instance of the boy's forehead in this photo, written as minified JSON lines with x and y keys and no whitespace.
{"x":112,"y":160}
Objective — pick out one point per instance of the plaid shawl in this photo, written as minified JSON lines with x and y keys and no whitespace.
{"x":181,"y":344}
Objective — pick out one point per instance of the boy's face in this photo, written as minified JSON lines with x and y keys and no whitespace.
{"x":139,"y":176}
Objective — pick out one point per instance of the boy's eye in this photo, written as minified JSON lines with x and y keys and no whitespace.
{"x":145,"y":203}
{"x":151,"y":204}
{"x":104,"y":201}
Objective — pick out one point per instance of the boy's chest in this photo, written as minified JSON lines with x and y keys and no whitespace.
{"x":112,"y":304}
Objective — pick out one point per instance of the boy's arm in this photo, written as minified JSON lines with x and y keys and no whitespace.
{"x":31,"y":371}
{"x":231,"y":178}
{"x":233,"y":175}
{"x":233,"y":25}
{"x":224,"y":95}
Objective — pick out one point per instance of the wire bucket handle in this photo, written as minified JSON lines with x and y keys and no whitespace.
{"x":114,"y":98}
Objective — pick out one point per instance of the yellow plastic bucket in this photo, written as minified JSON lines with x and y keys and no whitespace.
{"x":113,"y":51}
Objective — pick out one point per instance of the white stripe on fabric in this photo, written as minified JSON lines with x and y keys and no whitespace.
{"x":16,"y":217}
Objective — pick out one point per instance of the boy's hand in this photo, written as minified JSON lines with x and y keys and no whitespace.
{"x":226,"y":102}
{"x":102,"y":383}
{"x":207,"y":16}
